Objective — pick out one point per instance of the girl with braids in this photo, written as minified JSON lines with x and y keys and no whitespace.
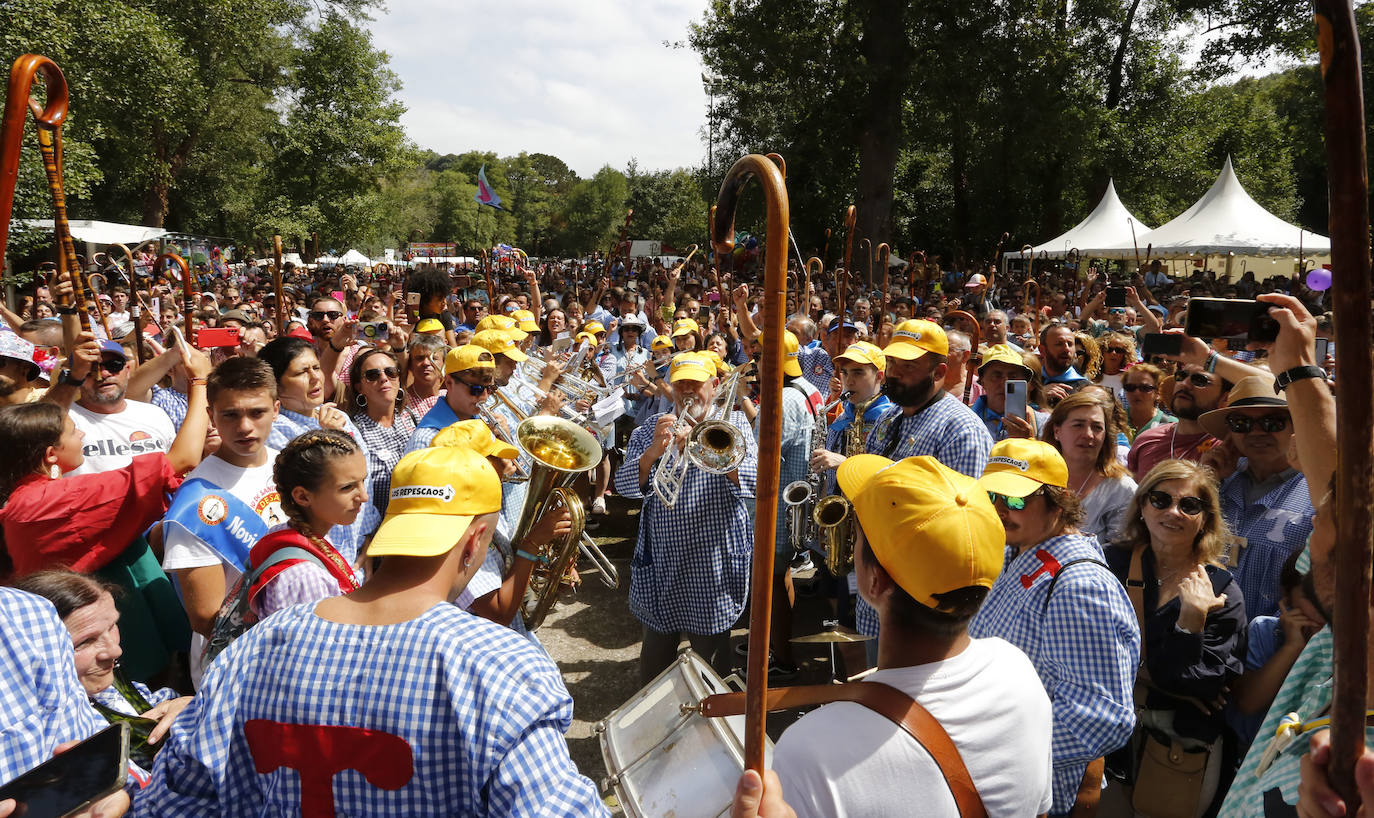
{"x":322,"y":479}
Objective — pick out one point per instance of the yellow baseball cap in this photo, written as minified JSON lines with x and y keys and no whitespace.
{"x":862,"y":352}
{"x":1003,"y":354}
{"x":499,"y":342}
{"x":661,"y":343}
{"x":504,"y":323}
{"x":430,"y":325}
{"x":721,"y":366}
{"x":789,"y":348}
{"x":914,"y":338}
{"x":585,"y":337}
{"x":593,"y":327}
{"x":525,"y":321}
{"x":476,"y":435}
{"x":691,"y":366}
{"x":1019,"y":466}
{"x":685,"y":326}
{"x":930,"y":527}
{"x":435,"y":495}
{"x":467,"y":356}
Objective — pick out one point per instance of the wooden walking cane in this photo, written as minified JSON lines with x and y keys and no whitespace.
{"x":770,"y":419}
{"x":1348,"y":175}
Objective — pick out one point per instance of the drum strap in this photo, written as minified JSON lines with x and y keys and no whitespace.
{"x":885,"y":700}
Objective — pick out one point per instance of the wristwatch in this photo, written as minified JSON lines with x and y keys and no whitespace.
{"x":65,"y":379}
{"x":1297,"y":373}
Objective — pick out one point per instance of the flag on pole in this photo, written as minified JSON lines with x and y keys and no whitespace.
{"x":485,"y":195}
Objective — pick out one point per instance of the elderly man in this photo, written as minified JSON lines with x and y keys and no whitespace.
{"x":956,"y":376}
{"x":814,"y":360}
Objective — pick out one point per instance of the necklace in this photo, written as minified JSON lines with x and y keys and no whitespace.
{"x":1091,"y":475}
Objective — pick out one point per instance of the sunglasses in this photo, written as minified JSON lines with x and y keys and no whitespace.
{"x":1163,"y":500}
{"x":1013,"y":503}
{"x":1197,"y":379}
{"x":374,"y":375}
{"x":1241,"y":424}
{"x":1138,"y":387}
{"x":113,"y":367}
{"x":320,"y":315}
{"x":477,"y":390}
{"x":1116,"y":350}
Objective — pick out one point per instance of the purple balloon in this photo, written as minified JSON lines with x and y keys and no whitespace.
{"x":1318,"y":278}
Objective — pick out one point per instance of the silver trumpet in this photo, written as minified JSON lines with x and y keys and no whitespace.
{"x":715,"y":445}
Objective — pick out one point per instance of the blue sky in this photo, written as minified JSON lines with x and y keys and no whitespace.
{"x":592,"y":83}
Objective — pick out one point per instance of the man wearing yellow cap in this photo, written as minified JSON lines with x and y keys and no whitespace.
{"x":1057,"y":601}
{"x":1003,"y":363}
{"x":690,"y":572}
{"x":469,"y":376}
{"x":925,"y":419}
{"x":390,"y":700}
{"x":929,"y":549}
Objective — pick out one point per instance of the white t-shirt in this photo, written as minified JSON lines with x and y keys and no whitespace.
{"x":846,"y":760}
{"x":181,"y":549}
{"x":113,"y":440}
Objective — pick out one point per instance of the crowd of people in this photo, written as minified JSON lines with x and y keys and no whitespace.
{"x":296,"y":561}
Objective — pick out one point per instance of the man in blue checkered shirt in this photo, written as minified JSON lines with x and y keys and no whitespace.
{"x":1074,"y":621}
{"x":926,"y":419}
{"x":388,"y":701}
{"x":1265,"y":502}
{"x":690,"y":572}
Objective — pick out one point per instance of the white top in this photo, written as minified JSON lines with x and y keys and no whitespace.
{"x":1105,"y":506}
{"x":181,"y":549}
{"x":113,"y":440}
{"x":846,"y":760}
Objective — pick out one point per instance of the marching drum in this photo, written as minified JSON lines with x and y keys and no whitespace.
{"x":666,"y":759}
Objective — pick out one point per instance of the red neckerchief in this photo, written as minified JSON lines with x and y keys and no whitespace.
{"x":328,"y":556}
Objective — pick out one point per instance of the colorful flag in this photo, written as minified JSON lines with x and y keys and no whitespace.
{"x":485,"y":195}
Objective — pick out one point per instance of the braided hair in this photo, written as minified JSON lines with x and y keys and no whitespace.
{"x":305,"y":463}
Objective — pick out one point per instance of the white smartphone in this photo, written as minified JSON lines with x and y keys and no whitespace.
{"x":1016,"y":399}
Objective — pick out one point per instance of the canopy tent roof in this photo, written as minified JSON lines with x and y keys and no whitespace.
{"x":354,"y":257}
{"x":1109,"y":225}
{"x":1226,"y":220}
{"x":97,"y":232}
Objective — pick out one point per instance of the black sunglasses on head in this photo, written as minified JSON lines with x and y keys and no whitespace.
{"x":1242,"y":424}
{"x":321,"y":315}
{"x":1163,"y":500}
{"x":374,"y":375}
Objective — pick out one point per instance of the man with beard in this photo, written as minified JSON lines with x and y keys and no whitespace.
{"x":926,"y":419}
{"x":116,"y":428}
{"x":690,"y":572}
{"x":1057,"y":353}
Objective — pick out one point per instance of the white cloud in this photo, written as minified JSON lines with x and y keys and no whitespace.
{"x":592,"y":83}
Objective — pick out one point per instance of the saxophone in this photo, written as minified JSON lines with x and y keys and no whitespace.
{"x":834,"y":515}
{"x":800,"y":495}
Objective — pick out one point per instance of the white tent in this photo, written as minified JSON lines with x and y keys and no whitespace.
{"x":103,"y":233}
{"x":1108,"y":226}
{"x":354,"y":257}
{"x":1225,"y":221}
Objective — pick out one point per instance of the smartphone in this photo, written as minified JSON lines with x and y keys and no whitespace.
{"x":370,"y":331}
{"x":1154,"y":344}
{"x":210,"y":337}
{"x":1209,"y":318}
{"x":1116,"y":297}
{"x":72,"y":781}
{"x":1016,"y":399}
{"x":1323,"y":349}
{"x":412,"y":299}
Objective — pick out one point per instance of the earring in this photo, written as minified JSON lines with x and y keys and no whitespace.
{"x":54,"y":471}
{"x":361,"y":400}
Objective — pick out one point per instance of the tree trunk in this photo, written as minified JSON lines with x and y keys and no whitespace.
{"x":1116,"y":76}
{"x":886,"y":51}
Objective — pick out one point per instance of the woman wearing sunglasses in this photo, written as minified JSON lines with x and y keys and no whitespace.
{"x":1193,"y":626}
{"x":376,"y":404}
{"x":1140,"y":384}
{"x":1118,"y":353}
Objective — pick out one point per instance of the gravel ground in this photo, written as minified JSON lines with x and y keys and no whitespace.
{"x":594,"y":638}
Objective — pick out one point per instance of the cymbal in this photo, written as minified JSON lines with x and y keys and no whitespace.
{"x":831,"y":636}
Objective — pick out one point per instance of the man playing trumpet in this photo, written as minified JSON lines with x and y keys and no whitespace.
{"x":690,"y":572}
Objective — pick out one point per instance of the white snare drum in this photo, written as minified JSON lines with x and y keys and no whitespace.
{"x":664,"y":761}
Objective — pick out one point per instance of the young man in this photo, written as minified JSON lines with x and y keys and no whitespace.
{"x":390,"y":700}
{"x":929,"y":549}
{"x":1074,"y":622}
{"x":229,"y":501}
{"x":116,"y":428}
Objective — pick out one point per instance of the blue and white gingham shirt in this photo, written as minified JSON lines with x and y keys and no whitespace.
{"x":41,"y":702}
{"x":1273,"y":527}
{"x":690,"y":570}
{"x":384,"y":446}
{"x":172,"y":402}
{"x":816,"y":366}
{"x":481,"y":708}
{"x":348,"y":539}
{"x":1085,"y":646}
{"x":948,"y":431}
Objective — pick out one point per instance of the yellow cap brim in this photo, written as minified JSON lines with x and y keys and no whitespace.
{"x":418,"y":535}
{"x":527,"y":327}
{"x":855,"y":472}
{"x":904,"y":351}
{"x":514,"y":353}
{"x":1009,"y":484}
{"x":691,"y":373}
{"x":517,"y":334}
{"x":791,"y":367}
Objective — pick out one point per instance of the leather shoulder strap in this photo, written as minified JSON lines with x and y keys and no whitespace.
{"x":918,"y":722}
{"x":1135,"y":589}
